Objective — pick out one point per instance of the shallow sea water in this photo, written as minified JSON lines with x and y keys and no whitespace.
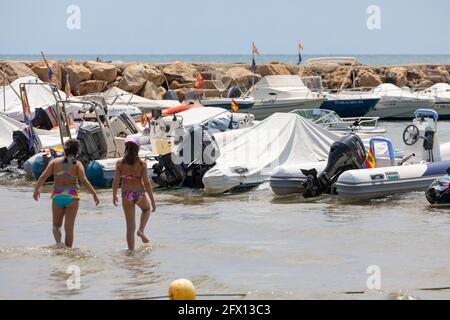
{"x":249,"y":243}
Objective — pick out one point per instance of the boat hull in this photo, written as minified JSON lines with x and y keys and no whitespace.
{"x":399,"y":109}
{"x":380,"y":182}
{"x":243,"y":105}
{"x":264,"y":109}
{"x":350,"y":107}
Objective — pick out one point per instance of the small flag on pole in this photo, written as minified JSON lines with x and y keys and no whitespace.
{"x":49,"y":69}
{"x":300,"y":48}
{"x":234,"y":105}
{"x":27,"y":117}
{"x":199,"y":81}
{"x":370,"y":160}
{"x":255,"y":50}
{"x":144,"y":119}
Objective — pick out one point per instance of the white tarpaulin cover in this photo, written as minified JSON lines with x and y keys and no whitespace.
{"x":39,"y":96}
{"x":49,"y":139}
{"x":250,"y":157}
{"x":117,"y":96}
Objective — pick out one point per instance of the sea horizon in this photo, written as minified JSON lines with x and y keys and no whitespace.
{"x":369,"y":59}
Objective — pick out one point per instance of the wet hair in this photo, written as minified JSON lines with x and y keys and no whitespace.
{"x":71,"y":148}
{"x":131,"y":155}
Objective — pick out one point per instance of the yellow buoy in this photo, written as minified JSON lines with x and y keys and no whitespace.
{"x":181,"y":289}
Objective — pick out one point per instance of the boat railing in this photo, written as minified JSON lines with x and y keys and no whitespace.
{"x":362,"y":121}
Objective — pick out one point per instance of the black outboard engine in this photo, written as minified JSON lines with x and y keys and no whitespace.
{"x":439,"y":191}
{"x":20,"y":149}
{"x":194,"y":153}
{"x":346,"y":154}
{"x":44,"y":119}
{"x":92,"y":142}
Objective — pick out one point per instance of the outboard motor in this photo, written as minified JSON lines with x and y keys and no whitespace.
{"x":346,"y":154}
{"x":45,"y":119}
{"x":194,"y":153}
{"x":20,"y":149}
{"x":439,"y":191}
{"x":92,"y":142}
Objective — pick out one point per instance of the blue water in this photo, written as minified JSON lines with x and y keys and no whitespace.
{"x":374,"y":60}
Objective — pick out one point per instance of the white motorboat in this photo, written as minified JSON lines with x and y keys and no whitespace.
{"x":441,"y":94}
{"x":248,"y":159}
{"x":424,"y":161}
{"x":282,"y":93}
{"x":398,"y":103}
{"x":187,"y":130}
{"x":364,"y":127}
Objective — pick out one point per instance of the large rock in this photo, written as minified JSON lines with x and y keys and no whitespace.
{"x":335,"y":79}
{"x":397,"y":76}
{"x":436,"y":74}
{"x":77,"y":73}
{"x":3,"y":78}
{"x":242,"y":77}
{"x":322,"y":68}
{"x":151,"y":91}
{"x":135,"y":76}
{"x":272,"y":69}
{"x":368,"y":79}
{"x":15,"y":70}
{"x":42,"y":72}
{"x":181,"y":72}
{"x":90,"y":86}
{"x":102,"y":71}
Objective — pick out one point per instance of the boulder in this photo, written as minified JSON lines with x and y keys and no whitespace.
{"x":436,"y":74}
{"x":90,"y":86}
{"x":272,"y":69}
{"x":397,"y":76}
{"x":15,"y":70}
{"x":321,"y":68}
{"x":151,"y":91}
{"x":77,"y":73}
{"x":181,"y":72}
{"x":135,"y":77}
{"x":335,"y":79}
{"x":242,"y":77}
{"x":42,"y":72}
{"x":368,"y":79}
{"x":102,"y":71}
{"x":3,"y":78}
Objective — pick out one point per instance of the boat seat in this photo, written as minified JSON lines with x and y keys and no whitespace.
{"x":384,"y":162}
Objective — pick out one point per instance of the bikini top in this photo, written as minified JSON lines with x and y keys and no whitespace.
{"x":65,"y":173}
{"x":131,"y":178}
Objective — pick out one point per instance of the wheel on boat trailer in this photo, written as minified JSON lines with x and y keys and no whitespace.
{"x":411,"y":135}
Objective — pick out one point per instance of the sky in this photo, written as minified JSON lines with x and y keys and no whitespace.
{"x":224,"y":27}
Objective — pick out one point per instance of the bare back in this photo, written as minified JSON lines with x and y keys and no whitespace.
{"x":65,"y":174}
{"x":131,"y":175}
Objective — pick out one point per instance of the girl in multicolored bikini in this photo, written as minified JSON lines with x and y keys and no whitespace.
{"x":135,"y":188}
{"x":66,"y":172}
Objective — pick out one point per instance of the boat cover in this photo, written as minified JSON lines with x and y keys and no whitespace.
{"x":249,"y":157}
{"x":38,"y":97}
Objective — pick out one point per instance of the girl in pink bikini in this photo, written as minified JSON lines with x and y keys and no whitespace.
{"x":135,"y":188}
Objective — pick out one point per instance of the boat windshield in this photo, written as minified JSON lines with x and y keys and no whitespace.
{"x":318,"y":116}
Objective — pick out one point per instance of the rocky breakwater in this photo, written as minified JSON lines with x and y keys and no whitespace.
{"x":153,"y":80}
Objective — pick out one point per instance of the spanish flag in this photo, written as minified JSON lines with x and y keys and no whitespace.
{"x":370,"y":160}
{"x":144,"y":119}
{"x":234,"y":106}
